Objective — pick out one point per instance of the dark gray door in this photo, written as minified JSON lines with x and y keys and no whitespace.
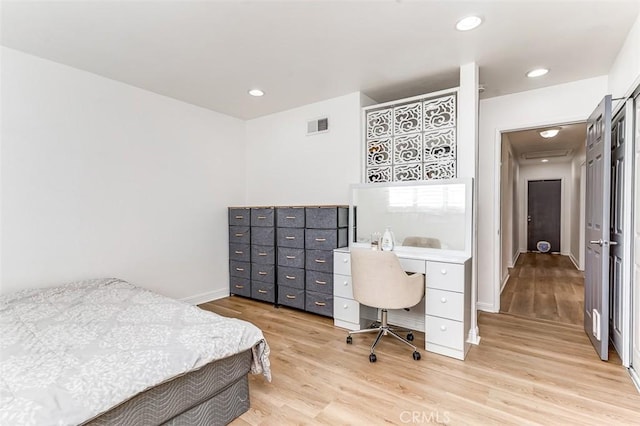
{"x":597,"y":211}
{"x":543,"y":213}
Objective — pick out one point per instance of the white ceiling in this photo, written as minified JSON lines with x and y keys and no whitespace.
{"x":570,"y":139}
{"x":299,"y":52}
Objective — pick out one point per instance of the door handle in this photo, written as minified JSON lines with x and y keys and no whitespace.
{"x":528,"y":218}
{"x":598,"y":242}
{"x":613,"y":243}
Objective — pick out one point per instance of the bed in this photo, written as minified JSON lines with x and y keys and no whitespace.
{"x":105,"y":352}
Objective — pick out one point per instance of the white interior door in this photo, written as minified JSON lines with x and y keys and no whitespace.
{"x":597,"y":214}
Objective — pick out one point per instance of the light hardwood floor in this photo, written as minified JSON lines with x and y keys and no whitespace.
{"x":524,"y":371}
{"x":544,"y":286}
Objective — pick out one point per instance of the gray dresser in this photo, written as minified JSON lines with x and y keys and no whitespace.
{"x":284,"y":254}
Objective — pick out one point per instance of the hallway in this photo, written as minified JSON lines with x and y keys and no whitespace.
{"x":544,"y":286}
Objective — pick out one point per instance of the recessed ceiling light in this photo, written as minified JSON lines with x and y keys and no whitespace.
{"x":550,"y":133}
{"x":256,"y":92}
{"x":544,"y":160}
{"x":468,"y":23}
{"x":538,"y":72}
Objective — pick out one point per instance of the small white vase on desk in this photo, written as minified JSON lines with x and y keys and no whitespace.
{"x":387,"y":243}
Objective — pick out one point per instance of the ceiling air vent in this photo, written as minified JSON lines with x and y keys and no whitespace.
{"x":535,"y":155}
{"x":320,"y":125}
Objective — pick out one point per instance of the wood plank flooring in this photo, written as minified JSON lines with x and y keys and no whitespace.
{"x":524,"y":372}
{"x":544,"y":286}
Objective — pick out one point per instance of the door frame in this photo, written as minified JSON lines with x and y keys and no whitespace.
{"x":525,"y":197}
{"x":497,"y":231}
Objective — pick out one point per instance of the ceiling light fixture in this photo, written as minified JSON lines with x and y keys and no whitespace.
{"x":468,"y":23}
{"x":538,"y":72}
{"x":549,"y":133}
{"x":544,"y":160}
{"x":256,"y":92}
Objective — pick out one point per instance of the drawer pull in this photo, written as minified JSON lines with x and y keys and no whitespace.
{"x":289,"y":277}
{"x":320,"y":240}
{"x":345,"y":306}
{"x":320,"y":304}
{"x":289,"y":238}
{"x":262,"y":291}
{"x":239,"y":252}
{"x":291,"y":257}
{"x":345,"y":260}
{"x":289,"y":217}
{"x":443,"y":271}
{"x":321,"y":282}
{"x":345,"y":283}
{"x":239,"y":217}
{"x":321,"y":261}
{"x":239,"y":269}
{"x":443,"y":328}
{"x":289,"y":296}
{"x":443,"y":300}
{"x":261,"y":217}
{"x":262,"y":273}
{"x":261,"y":253}
{"x":239,"y":286}
{"x":239,"y":235}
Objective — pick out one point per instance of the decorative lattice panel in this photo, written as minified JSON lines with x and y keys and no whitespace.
{"x":412,"y":141}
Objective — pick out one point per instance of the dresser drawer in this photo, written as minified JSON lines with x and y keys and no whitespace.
{"x":239,"y":216}
{"x":445,"y":332}
{"x":291,"y":237}
{"x":290,"y":277}
{"x":241,"y":252}
{"x":239,"y":269}
{"x":445,"y":304}
{"x":263,"y":236}
{"x":342,"y":286}
{"x":445,"y":276}
{"x":290,"y":217}
{"x":264,"y":273}
{"x":325,"y":239}
{"x":291,"y":257}
{"x":342,"y":263}
{"x":413,"y":265}
{"x":319,"y":260}
{"x":319,"y":303}
{"x":240,"y":286}
{"x":293,"y":297}
{"x":320,"y":282}
{"x":239,"y":235}
{"x":265,"y":255}
{"x":262,"y":216}
{"x":326,"y":217}
{"x":263,"y":291}
{"x":346,"y":310}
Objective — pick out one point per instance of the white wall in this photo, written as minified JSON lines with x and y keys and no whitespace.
{"x":287,"y":167}
{"x":624,"y":75}
{"x":507,"y":202}
{"x":576,"y":248}
{"x":560,"y":171}
{"x":103,"y":179}
{"x":564,"y":103}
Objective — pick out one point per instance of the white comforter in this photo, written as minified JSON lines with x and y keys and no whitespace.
{"x":69,"y":353}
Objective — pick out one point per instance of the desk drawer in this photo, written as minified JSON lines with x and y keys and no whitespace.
{"x":341,"y":263}
{"x":342,"y":286}
{"x":413,"y":265}
{"x":445,"y":304}
{"x":445,"y":332}
{"x":445,"y":276}
{"x":346,"y":310}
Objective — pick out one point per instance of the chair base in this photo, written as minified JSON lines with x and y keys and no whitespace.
{"x":383,"y":329}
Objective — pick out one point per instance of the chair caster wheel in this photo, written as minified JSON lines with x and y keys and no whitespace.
{"x":410,"y":337}
{"x":373,"y":358}
{"x":349,"y":340}
{"x":416,"y":355}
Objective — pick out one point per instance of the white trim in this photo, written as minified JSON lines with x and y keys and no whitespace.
{"x":635,"y":377}
{"x":497,"y":156}
{"x":574,"y":261}
{"x":413,"y":98}
{"x":486,"y":307}
{"x":504,"y":283}
{"x":206,"y":297}
{"x":515,"y":259}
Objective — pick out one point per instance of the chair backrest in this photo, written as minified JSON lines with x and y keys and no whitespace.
{"x":379,"y":280}
{"x":422,"y":242}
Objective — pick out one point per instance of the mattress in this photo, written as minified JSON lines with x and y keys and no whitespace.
{"x":215,"y":394}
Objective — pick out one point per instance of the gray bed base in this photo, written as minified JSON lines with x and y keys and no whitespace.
{"x":213,"y":395}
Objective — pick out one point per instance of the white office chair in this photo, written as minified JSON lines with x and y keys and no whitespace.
{"x":379,"y":281}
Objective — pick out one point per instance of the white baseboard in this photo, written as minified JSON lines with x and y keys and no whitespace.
{"x":575,"y":262}
{"x":206,"y":297}
{"x":515,"y":259}
{"x":504,"y":283}
{"x":486,"y":307}
{"x":635,"y":377}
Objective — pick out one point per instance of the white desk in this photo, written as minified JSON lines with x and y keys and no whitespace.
{"x":445,"y":313}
